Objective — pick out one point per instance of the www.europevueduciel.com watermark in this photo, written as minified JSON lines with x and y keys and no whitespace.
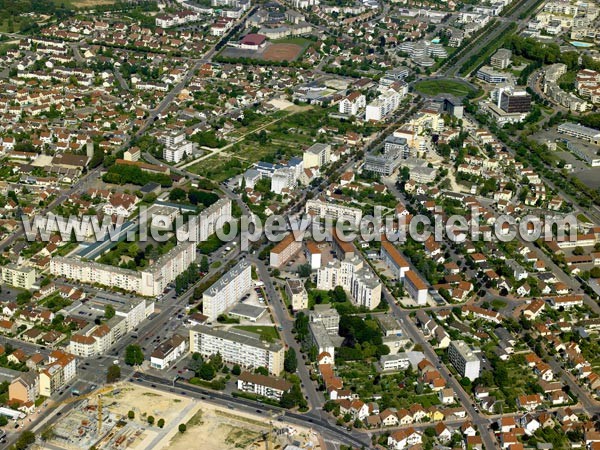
{"x":250,"y":229}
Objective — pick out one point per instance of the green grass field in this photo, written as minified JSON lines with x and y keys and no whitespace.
{"x":266,"y":332}
{"x":436,"y":87}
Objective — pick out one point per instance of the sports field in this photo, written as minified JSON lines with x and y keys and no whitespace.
{"x":282,"y":52}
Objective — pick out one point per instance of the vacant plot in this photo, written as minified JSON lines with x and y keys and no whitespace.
{"x":282,"y":52}
{"x":436,"y":87}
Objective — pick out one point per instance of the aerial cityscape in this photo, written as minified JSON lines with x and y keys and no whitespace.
{"x":299,"y":224}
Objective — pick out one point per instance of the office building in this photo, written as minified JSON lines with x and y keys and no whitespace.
{"x":466,"y":363}
{"x":501,"y":59}
{"x":284,"y":250}
{"x":237,"y":347}
{"x":21,"y":277}
{"x":297,"y":294}
{"x":490,"y":75}
{"x":514,"y":101}
{"x":227,"y":291}
{"x":580,"y":132}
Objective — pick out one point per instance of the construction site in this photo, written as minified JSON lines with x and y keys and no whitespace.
{"x":129,"y":416}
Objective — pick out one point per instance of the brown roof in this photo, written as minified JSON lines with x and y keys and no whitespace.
{"x":263,"y":380}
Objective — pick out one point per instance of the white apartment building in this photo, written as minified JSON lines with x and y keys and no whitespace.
{"x":317,"y":155}
{"x":392,"y":257}
{"x":297,"y":294}
{"x":415,"y":287}
{"x":178,"y":152}
{"x":21,"y":277}
{"x":338,"y":273}
{"x":283,"y":179}
{"x":284,"y":250}
{"x":263,"y":385}
{"x":328,"y":316}
{"x":237,"y":347}
{"x":383,"y":105}
{"x":366,"y":289}
{"x":322,"y":209}
{"x":352,"y":104}
{"x":464,"y":360}
{"x":227,"y":291}
{"x":61,"y":370}
{"x":168,"y":352}
{"x":149,"y":282}
{"x":97,"y":339}
{"x":213,"y":218}
{"x":360,"y":282}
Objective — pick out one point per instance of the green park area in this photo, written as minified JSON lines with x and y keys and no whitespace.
{"x":437,"y":87}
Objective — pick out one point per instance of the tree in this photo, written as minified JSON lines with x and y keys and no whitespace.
{"x":109,"y":312}
{"x":160,"y":423}
{"x":578,"y":251}
{"x":290,"y":362}
{"x":182,"y":427}
{"x":338,"y":295}
{"x":262,"y":371}
{"x":113,"y":374}
{"x":177,"y":194}
{"x":293,"y":397}
{"x":131,"y":415}
{"x":151,"y":420}
{"x":3,"y":421}
{"x":304,"y":270}
{"x":236,"y":370}
{"x":25,"y":440}
{"x":206,"y":371}
{"x":204,"y":264}
{"x":595,"y":272}
{"x":134,"y":356}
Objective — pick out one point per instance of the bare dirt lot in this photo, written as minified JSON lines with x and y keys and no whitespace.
{"x":282,"y":52}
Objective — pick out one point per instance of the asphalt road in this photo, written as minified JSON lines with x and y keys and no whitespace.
{"x":492,"y":34}
{"x":331,"y":433}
